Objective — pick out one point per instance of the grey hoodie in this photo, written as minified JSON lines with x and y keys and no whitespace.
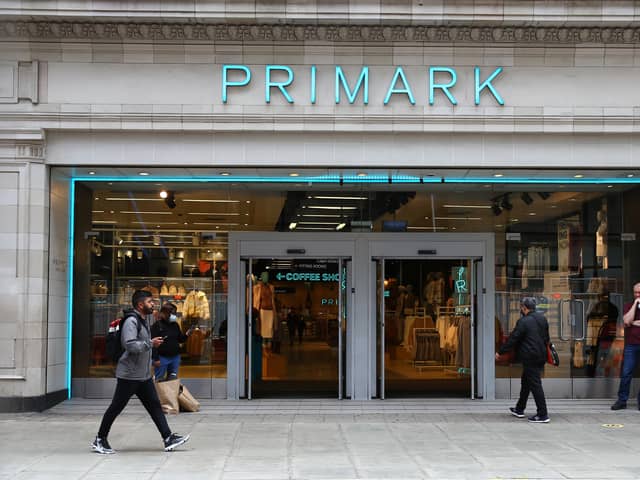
{"x":135,"y":362}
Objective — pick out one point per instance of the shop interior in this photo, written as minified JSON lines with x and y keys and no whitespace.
{"x":571,"y":244}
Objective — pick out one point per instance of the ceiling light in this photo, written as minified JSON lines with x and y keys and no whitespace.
{"x":326,"y":207}
{"x":532,"y":214}
{"x":292,"y":225}
{"x":209,"y":201}
{"x":454,"y":218}
{"x":327,"y":197}
{"x":294,"y":174}
{"x":126,"y":199}
{"x":317,"y":223}
{"x":104,"y":221}
{"x":526,"y":198}
{"x":131,"y":212}
{"x":609,"y":186}
{"x":143,"y":174}
{"x":97,"y":198}
{"x":92,"y":172}
{"x":225,"y":174}
{"x":362,"y":174}
{"x":340,"y":226}
{"x":630,"y":175}
{"x":214,"y":213}
{"x":578,"y":175}
{"x":467,"y":206}
{"x":97,"y":211}
{"x":498,"y":175}
{"x":111,"y":211}
{"x":215,"y":223}
{"x":164,"y":194}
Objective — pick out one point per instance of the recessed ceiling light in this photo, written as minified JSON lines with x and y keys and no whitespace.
{"x":578,"y":175}
{"x":533,"y":214}
{"x":609,"y":186}
{"x":225,"y":174}
{"x":97,"y":198}
{"x":362,"y":174}
{"x":630,"y":175}
{"x":92,"y":172}
{"x":498,"y":175}
{"x":143,"y":174}
{"x":164,"y":194}
{"x":157,"y":226}
{"x":112,"y":211}
{"x":515,"y":219}
{"x":554,"y":206}
{"x":186,"y":223}
{"x":246,"y":224}
{"x":248,"y":201}
{"x":110,"y":183}
{"x":294,"y":174}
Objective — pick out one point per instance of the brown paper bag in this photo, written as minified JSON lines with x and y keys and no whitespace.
{"x":168,"y":394}
{"x":188,"y":403}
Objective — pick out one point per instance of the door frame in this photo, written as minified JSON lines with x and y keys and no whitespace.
{"x":479,"y":250}
{"x":361,"y":330}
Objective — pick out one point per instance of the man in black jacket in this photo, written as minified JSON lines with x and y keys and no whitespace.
{"x":529,"y":338}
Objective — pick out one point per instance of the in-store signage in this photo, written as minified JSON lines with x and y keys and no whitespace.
{"x":441,"y":81}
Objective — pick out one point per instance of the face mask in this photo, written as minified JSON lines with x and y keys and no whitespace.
{"x":173,"y":318}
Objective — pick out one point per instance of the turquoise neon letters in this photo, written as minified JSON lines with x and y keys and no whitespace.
{"x":226,"y":83}
{"x":399,"y":83}
{"x":341,"y":80}
{"x":268,"y":84}
{"x":407,"y":89}
{"x":443,"y":86}
{"x":487,"y":84}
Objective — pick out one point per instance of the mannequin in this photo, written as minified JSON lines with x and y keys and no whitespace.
{"x":601,"y":236}
{"x":264,"y":296}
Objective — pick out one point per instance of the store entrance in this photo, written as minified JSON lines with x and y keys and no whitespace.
{"x":425,"y":319}
{"x":295,"y":334}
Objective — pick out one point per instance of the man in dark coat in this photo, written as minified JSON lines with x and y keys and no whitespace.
{"x":529,"y":339}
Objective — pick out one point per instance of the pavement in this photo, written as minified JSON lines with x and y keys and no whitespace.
{"x":329,"y":439}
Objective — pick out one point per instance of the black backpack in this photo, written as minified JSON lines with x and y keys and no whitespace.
{"x":114,"y":337}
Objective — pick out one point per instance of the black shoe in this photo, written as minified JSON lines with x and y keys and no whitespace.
{"x":516,"y":413}
{"x":174,"y":440}
{"x":539,"y":419}
{"x":619,"y":406}
{"x":101,"y":445}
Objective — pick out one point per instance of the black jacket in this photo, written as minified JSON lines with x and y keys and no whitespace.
{"x":529,"y":338}
{"x":171,"y":346}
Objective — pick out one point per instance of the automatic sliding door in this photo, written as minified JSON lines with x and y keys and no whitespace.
{"x":296,"y":330}
{"x":424,"y":320}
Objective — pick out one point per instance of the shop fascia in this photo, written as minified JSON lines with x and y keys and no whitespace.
{"x":239,"y":76}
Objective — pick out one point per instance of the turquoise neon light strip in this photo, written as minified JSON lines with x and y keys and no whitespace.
{"x":72,"y":197}
{"x":540,"y":181}
{"x":327,"y":179}
{"x":335,"y":179}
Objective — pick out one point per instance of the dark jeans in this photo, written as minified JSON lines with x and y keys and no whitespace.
{"x":629,"y":361}
{"x":531,"y":382}
{"x":146,"y":392}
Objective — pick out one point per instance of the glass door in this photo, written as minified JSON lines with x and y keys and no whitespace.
{"x":425,"y":311}
{"x":295,"y":333}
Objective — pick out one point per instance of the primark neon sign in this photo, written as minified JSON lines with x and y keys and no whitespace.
{"x":239,"y":76}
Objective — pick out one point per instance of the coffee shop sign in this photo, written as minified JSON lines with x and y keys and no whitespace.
{"x":278,"y":79}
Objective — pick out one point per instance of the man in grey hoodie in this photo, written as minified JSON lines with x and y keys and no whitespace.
{"x":133,"y":375}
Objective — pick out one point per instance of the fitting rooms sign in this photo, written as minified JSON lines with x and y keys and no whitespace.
{"x":362,"y":85}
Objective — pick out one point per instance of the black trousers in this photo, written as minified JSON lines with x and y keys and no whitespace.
{"x":531,"y":382}
{"x":146,"y":392}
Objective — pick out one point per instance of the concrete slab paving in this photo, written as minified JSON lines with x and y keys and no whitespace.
{"x":443,"y":439}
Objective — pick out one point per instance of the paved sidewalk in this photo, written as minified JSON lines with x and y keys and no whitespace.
{"x":322,"y":439}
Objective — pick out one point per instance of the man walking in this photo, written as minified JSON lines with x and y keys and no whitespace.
{"x":631,"y":319}
{"x":133,"y":374}
{"x":529,"y":339}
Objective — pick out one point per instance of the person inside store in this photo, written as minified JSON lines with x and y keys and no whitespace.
{"x":166,"y":357}
{"x":295,"y":324}
{"x":529,"y":339}
{"x":133,"y":375}
{"x":631,"y":320}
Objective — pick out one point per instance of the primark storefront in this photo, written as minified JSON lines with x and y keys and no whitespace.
{"x":339,"y":206}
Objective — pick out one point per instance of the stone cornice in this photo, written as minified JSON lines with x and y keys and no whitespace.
{"x":335,"y":34}
{"x":225,"y":122}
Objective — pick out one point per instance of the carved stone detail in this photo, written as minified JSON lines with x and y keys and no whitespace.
{"x":222,"y":32}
